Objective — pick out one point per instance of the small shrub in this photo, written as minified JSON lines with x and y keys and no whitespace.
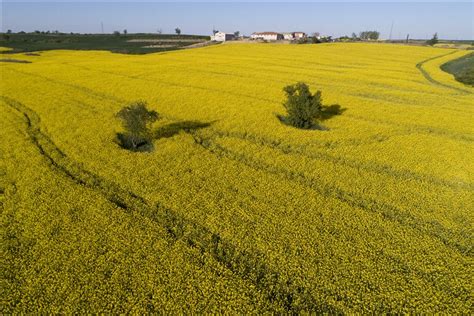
{"x":303,"y":40}
{"x":137,"y":120}
{"x":434,"y":40}
{"x":303,"y":108}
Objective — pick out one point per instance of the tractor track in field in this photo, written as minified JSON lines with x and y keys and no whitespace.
{"x":106,"y":96}
{"x":389,"y":212}
{"x":249,"y":265}
{"x":428,"y":77}
{"x":352,"y":200}
{"x":82,"y":89}
{"x":320,"y":155}
{"x":379,"y":169}
{"x":254,"y":97}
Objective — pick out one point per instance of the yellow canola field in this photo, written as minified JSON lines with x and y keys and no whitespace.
{"x":241,"y":214}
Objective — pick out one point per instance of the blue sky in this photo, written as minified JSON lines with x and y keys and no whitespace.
{"x":451,"y":19}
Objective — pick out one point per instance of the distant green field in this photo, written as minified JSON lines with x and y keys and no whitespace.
{"x":128,"y":44}
{"x":462,"y":69}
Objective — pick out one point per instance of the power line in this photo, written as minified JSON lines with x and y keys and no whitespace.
{"x":391,"y":29}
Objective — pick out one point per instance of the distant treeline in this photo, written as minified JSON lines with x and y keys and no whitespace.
{"x":118,"y":43}
{"x":369,"y":35}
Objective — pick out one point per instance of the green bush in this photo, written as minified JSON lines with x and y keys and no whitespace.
{"x":303,"y":108}
{"x":137,"y":120}
{"x":434,"y":40}
{"x":303,"y":40}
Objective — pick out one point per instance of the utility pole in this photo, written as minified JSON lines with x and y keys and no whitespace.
{"x":408,"y":36}
{"x":391,"y":29}
{"x":102,"y":27}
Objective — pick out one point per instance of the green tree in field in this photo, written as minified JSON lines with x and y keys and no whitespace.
{"x":369,"y":35}
{"x":303,"y":40}
{"x":433,"y":40}
{"x":136,"y":120}
{"x":315,"y":38}
{"x":177,"y":31}
{"x":303,"y":108}
{"x":125,"y":32}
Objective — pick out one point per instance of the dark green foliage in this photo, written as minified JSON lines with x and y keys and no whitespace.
{"x":304,"y":109}
{"x":369,"y":35}
{"x":136,"y":121}
{"x":31,"y":42}
{"x":462,"y":69}
{"x":344,"y":38}
{"x":177,"y":31}
{"x":303,"y":40}
{"x":321,"y":39}
{"x":466,"y":77}
{"x":433,"y":40}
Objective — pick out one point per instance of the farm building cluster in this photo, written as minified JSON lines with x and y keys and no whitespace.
{"x":222,"y":37}
{"x":275,"y":36}
{"x":265,"y":36}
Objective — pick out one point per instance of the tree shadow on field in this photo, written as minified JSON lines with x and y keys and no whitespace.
{"x":145,"y":144}
{"x":11,"y":60}
{"x":169,"y":130}
{"x":134,"y":143}
{"x":330,"y":111}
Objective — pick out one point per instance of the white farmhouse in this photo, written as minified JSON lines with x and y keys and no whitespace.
{"x":298,"y":35}
{"x":267,"y":36}
{"x":222,"y":37}
{"x":291,"y":36}
{"x":288,"y":36}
